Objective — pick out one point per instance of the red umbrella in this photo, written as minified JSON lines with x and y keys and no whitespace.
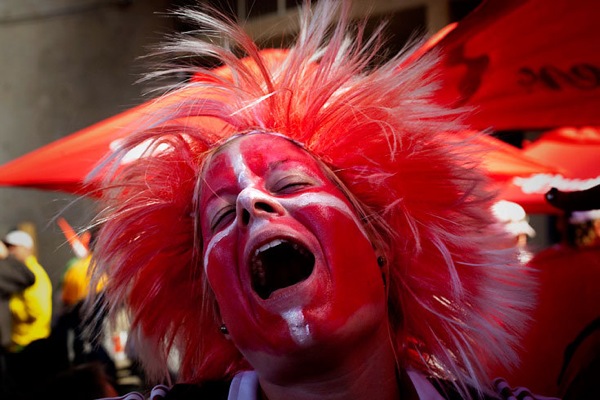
{"x":524,"y":64}
{"x":64,"y":164}
{"x":573,"y":151}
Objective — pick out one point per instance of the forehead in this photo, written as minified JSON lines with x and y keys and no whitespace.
{"x":258,"y":154}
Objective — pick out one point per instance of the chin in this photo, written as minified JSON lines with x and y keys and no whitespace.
{"x":284,"y":353}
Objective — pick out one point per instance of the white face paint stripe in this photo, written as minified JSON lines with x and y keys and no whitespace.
{"x":323,"y":199}
{"x":299,"y":329}
{"x":214,"y":241}
{"x":240,"y":168}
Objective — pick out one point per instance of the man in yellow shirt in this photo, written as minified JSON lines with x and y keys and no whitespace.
{"x":27,"y":358}
{"x":32,"y":308}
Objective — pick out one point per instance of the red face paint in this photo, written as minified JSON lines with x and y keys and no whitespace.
{"x":284,"y":250}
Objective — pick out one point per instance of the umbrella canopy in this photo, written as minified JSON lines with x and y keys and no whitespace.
{"x":524,"y":64}
{"x":505,"y":162}
{"x":573,"y":151}
{"x":65,"y":164}
{"x":62,"y":165}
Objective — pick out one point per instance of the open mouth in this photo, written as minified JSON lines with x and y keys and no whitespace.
{"x":279,"y":264}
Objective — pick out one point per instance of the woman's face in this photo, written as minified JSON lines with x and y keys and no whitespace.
{"x":284,"y":251}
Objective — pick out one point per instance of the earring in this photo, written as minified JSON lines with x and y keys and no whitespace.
{"x":381,"y":263}
{"x":223,"y":329}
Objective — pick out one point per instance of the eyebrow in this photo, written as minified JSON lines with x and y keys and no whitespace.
{"x":276,"y":164}
{"x":218,"y":193}
{"x":225,"y":188}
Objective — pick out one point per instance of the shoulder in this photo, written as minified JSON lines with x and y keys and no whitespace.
{"x":244,"y":386}
{"x":158,"y":392}
{"x":34,"y":265}
{"x":212,"y":390}
{"x":501,"y":390}
{"x":506,"y":392}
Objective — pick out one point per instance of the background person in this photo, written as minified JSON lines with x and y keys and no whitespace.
{"x":14,"y":278}
{"x":82,"y":339}
{"x":31,"y":308}
{"x":31,"y":311}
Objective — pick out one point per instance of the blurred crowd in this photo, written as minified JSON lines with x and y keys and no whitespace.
{"x":65,"y":350}
{"x":560,"y":352}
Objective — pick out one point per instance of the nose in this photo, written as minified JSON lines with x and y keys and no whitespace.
{"x":254,"y":203}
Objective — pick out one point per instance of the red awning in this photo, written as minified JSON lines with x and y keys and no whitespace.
{"x":524,"y":64}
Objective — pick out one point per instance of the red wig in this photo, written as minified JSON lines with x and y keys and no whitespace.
{"x":455,"y":303}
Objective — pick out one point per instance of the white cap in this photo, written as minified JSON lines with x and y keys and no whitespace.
{"x":18,"y":238}
{"x":513,"y":218}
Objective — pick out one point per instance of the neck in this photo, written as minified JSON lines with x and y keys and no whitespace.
{"x":364,"y":373}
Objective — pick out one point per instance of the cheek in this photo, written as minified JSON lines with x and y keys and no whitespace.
{"x":357,"y":283}
{"x":219,"y":262}
{"x":353,"y":264}
{"x":237,"y":312}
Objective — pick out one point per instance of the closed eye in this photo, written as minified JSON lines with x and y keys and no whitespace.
{"x":293,"y":187}
{"x":292,"y":184}
{"x":222,"y":216}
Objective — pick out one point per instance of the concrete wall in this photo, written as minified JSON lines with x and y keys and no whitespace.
{"x":65,"y":64}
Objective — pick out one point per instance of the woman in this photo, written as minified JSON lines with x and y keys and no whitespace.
{"x":305,"y":225}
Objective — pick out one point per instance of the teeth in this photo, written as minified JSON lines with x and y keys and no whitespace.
{"x":268,"y":246}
